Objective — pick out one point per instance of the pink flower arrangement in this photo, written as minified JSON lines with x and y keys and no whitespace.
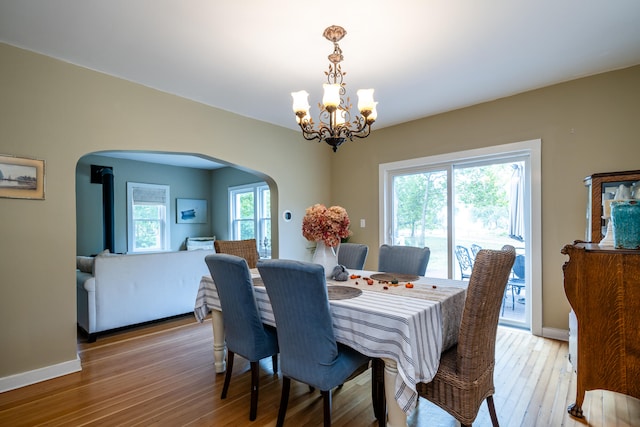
{"x":327,"y":224}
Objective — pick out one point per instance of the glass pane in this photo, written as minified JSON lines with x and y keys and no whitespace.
{"x":488,"y":214}
{"x":146,"y":211}
{"x":264,"y":245}
{"x":265,"y":209}
{"x":147,"y":235}
{"x":420,"y":216}
{"x":246,"y":229}
{"x":244,"y":205}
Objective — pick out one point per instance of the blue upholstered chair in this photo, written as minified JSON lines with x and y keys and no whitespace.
{"x":403,"y":259}
{"x":245,"y":333}
{"x":309,"y":352}
{"x":352,"y":255}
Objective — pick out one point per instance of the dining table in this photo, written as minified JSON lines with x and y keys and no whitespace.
{"x":406,"y":321}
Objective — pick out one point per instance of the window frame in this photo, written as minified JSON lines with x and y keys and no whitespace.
{"x":261,"y":214}
{"x":165,"y":223}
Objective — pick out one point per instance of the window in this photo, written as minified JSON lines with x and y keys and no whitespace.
{"x":147,"y":217}
{"x":460,"y":202}
{"x":250,"y":215}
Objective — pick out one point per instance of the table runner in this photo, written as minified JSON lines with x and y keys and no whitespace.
{"x":410,"y":326}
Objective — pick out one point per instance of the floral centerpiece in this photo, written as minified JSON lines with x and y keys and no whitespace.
{"x":329,"y":225}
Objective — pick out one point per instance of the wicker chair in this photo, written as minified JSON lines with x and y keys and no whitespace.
{"x":465,"y":375}
{"x":247,"y":249}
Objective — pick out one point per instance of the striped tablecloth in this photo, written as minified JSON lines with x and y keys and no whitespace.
{"x":411,"y":326}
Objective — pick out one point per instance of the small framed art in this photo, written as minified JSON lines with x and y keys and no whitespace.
{"x":193,"y":211}
{"x":21,"y":178}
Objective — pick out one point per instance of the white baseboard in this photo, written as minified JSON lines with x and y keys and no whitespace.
{"x":37,"y":375}
{"x":556,"y":334}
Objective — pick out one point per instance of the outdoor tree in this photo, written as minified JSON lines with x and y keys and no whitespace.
{"x":420,"y":199}
{"x":483,"y":191}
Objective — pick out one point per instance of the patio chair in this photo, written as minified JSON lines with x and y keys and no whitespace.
{"x":245,"y":333}
{"x":465,"y":375}
{"x":403,"y":259}
{"x":516,"y":281}
{"x":246,"y":249}
{"x":352,"y":255}
{"x":464,"y":261}
{"x":475,"y":248}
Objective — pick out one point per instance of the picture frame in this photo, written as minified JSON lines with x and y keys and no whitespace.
{"x":21,"y":178}
{"x":191,"y":211}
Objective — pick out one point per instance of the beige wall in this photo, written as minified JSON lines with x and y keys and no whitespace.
{"x":586,"y":126}
{"x":59,"y":112}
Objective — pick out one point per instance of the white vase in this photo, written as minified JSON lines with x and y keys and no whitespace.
{"x":326,"y":256}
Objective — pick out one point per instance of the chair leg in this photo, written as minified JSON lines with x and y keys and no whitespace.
{"x":274,"y":363}
{"x":377,"y":391}
{"x":492,"y":411}
{"x":255,"y":379}
{"x":284,"y":401}
{"x":326,"y":397}
{"x":227,"y":376}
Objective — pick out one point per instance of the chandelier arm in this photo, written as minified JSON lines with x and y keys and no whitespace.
{"x":363,"y":135}
{"x":326,"y":132}
{"x":308,"y":134}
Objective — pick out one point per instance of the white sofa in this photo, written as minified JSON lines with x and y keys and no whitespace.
{"x":125,"y":290}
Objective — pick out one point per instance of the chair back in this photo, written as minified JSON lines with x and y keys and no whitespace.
{"x":298,"y":294}
{"x":403,"y":259}
{"x":352,"y":255}
{"x":244,"y":331}
{"x":247,"y":249}
{"x":518,"y":267}
{"x":464,"y":261}
{"x":475,"y":248}
{"x":476,"y":339}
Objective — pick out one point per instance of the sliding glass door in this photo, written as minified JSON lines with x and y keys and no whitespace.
{"x":459,"y":207}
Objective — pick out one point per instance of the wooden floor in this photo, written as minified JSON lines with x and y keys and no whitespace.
{"x":163,"y":375}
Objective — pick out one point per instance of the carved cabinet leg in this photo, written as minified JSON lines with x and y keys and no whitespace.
{"x":575,"y":410}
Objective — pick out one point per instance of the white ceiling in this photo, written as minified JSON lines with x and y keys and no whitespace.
{"x":423,"y":57}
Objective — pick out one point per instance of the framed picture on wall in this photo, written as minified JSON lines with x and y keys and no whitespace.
{"x":21,"y":178}
{"x":193,"y":211}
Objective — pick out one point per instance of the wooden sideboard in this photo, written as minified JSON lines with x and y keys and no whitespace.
{"x":603,"y":288}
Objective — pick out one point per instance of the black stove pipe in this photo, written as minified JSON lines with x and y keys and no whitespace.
{"x":108,"y":209}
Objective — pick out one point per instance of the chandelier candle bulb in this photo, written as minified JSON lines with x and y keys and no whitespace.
{"x":374,"y":114}
{"x":331,"y":98}
{"x":365,"y":100}
{"x":300,"y":101}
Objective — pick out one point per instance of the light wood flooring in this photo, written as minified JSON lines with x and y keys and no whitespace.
{"x":163,"y":375}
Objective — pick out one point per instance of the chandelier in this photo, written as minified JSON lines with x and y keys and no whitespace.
{"x":336,"y":123}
